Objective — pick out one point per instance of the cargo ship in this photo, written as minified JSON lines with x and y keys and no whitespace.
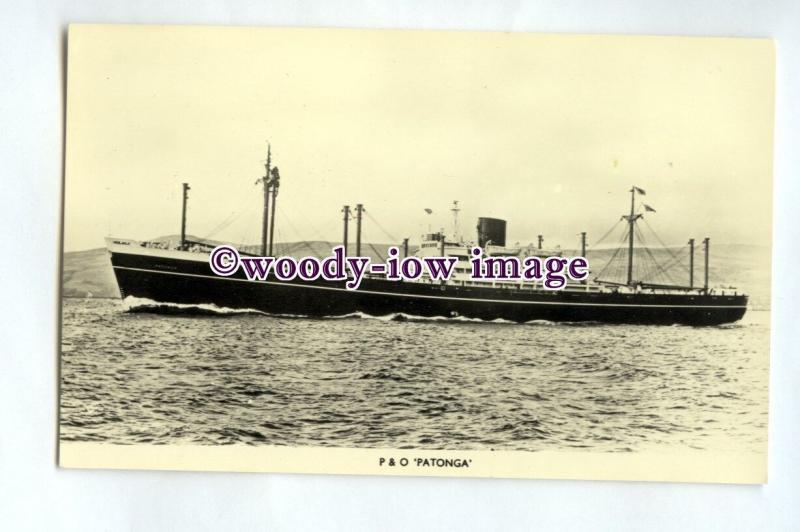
{"x":179,"y":273}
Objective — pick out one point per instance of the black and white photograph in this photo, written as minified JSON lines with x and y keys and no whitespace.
{"x":417,"y":253}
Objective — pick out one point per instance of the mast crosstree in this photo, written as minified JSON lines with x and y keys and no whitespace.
{"x":631,"y":224}
{"x":632,"y":233}
{"x":270,"y":181}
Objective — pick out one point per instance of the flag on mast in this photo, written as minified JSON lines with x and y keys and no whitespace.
{"x":639,"y":190}
{"x":648,"y":208}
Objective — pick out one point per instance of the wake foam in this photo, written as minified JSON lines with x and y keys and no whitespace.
{"x":145,"y":305}
{"x":402,"y":316}
{"x":142,"y":304}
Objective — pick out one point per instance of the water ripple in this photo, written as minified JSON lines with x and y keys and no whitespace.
{"x":213,"y":376}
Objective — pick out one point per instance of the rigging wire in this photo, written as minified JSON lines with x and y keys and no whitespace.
{"x":613,"y":273}
{"x":643,"y":265}
{"x":651,"y":268}
{"x":378,"y":253}
{"x":319,"y":234}
{"x":665,"y":275}
{"x":622,"y":265}
{"x":648,"y":265}
{"x":276,"y":246}
{"x":379,"y":226}
{"x":242,"y":191}
{"x":225,"y":222}
{"x":613,"y":256}
{"x":678,"y":262}
{"x":658,"y":238}
{"x":245,"y":237}
{"x":233,"y":216}
{"x":247,"y":232}
{"x":659,"y":268}
{"x":299,"y":235}
{"x":607,"y":233}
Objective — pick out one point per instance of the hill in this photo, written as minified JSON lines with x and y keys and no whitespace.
{"x":88,"y":274}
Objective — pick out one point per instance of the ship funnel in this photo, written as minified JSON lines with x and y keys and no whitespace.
{"x":491,"y":230}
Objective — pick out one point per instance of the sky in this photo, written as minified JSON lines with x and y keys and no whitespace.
{"x":547,"y":132}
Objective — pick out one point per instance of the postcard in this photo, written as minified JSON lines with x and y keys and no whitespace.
{"x":417,"y":253}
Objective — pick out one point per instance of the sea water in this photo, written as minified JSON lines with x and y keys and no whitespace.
{"x":203,"y":375}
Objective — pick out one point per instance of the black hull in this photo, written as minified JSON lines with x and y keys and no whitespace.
{"x":174,"y":280}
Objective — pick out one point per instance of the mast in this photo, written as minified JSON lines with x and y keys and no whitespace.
{"x":631,"y":223}
{"x":265,"y":217}
{"x":359,"y":210}
{"x":583,"y":244}
{"x":541,"y":239}
{"x":583,"y":251}
{"x":691,"y":263}
{"x":455,"y":210}
{"x":405,"y":247}
{"x":183,"y":215}
{"x":274,"y":183}
{"x":706,"y":246}
{"x":346,"y":211}
{"x":630,"y":238}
